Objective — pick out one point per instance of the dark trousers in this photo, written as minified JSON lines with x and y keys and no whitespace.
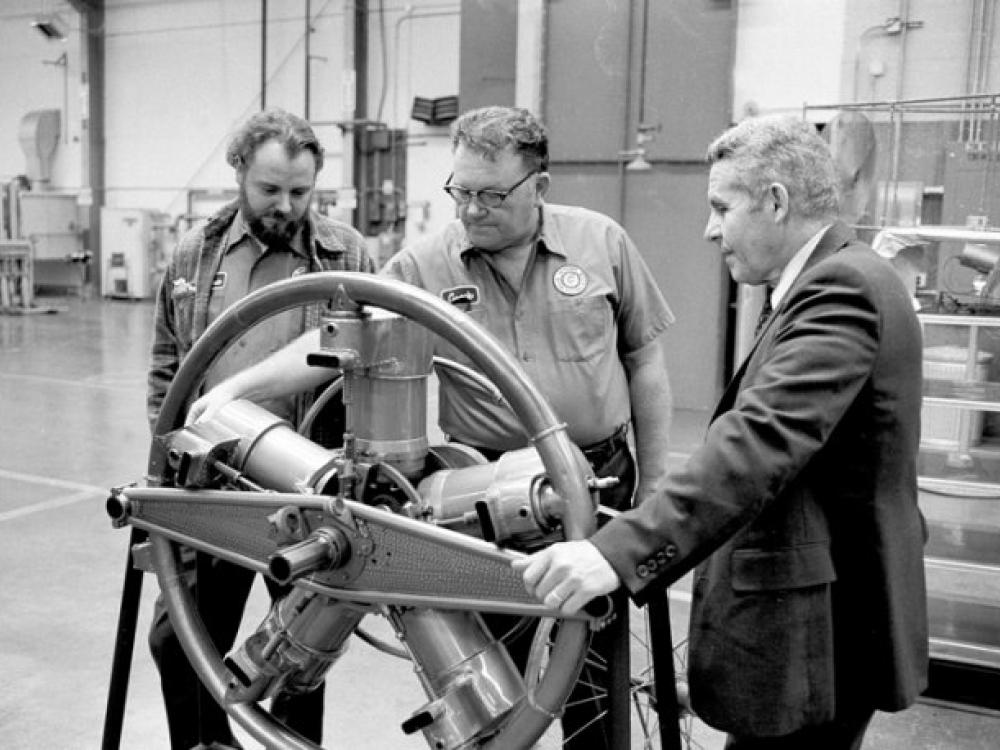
{"x":192,"y":719}
{"x":843,"y":733}
{"x":584,"y":724}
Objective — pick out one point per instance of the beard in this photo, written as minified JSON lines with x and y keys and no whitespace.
{"x":270,"y":227}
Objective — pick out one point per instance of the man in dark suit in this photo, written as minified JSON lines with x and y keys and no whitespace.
{"x":800,"y":510}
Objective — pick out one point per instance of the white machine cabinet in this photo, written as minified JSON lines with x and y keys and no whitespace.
{"x":959,"y":480}
{"x":133,"y":252}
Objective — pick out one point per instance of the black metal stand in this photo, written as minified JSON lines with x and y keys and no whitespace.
{"x":619,"y":674}
{"x":662,"y":643}
{"x":664,"y":691}
{"x":121,"y":663}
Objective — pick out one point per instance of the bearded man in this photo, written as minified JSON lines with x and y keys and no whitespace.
{"x":270,"y":233}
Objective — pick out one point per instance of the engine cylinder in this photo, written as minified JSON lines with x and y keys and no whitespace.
{"x":467,"y":673}
{"x":274,"y":454}
{"x":301,"y":637}
{"x":506,"y":501}
{"x":386,"y":360}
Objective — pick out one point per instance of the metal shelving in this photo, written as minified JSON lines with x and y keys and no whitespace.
{"x":960,"y":497}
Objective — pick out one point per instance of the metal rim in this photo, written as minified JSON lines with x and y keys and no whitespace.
{"x":530,"y":720}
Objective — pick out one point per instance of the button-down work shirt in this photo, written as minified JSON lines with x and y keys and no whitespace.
{"x":246,"y":266}
{"x":586,"y":300}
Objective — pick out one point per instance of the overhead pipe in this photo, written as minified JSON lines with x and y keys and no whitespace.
{"x":308,"y":59}
{"x":978,"y":44}
{"x":897,"y":118}
{"x":263,"y":54}
{"x":984,"y":67}
{"x":532,"y":26}
{"x":629,"y":45}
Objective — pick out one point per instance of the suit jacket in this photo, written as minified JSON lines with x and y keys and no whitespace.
{"x":800,"y":511}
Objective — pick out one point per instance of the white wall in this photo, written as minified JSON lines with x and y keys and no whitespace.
{"x":421,"y":43}
{"x":929,"y":61}
{"x":181,"y":74}
{"x":818,"y":52}
{"x":784,"y":50}
{"x":30,"y":81}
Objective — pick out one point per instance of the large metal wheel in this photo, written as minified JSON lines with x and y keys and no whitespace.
{"x":639,"y":685}
{"x":529,"y":721}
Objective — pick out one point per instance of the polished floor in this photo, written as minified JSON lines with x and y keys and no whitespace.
{"x":72,"y":425}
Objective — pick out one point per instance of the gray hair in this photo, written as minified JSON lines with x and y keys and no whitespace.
{"x":273,"y":124}
{"x":491,"y":130}
{"x":783,"y":149}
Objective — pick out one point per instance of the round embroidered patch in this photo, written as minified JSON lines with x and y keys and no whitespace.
{"x":570,"y":280}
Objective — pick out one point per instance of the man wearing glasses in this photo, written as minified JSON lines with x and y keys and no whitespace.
{"x":565,"y":290}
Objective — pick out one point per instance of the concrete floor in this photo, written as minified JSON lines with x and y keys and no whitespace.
{"x":72,"y":417}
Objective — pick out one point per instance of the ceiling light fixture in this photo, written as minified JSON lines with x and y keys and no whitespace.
{"x":638,"y":163}
{"x":51,"y":26}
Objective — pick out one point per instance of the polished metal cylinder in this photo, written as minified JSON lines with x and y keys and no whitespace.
{"x":273,"y":454}
{"x":301,"y":637}
{"x":507,"y":500}
{"x":387,"y":361}
{"x":325,"y":548}
{"x":469,"y":676}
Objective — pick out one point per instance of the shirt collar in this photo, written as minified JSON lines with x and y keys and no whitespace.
{"x":794,"y":267}
{"x":546,"y":240}
{"x":238,"y":231}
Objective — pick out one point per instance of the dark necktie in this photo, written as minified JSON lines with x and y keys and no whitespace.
{"x":765,"y":311}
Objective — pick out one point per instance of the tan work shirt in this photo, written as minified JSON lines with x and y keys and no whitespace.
{"x":586,"y":300}
{"x":247,"y":265}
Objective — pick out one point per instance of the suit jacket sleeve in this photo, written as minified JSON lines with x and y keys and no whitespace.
{"x":801,"y":379}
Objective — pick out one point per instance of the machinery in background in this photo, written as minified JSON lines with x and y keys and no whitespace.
{"x":935,"y":214}
{"x":135,"y":243}
{"x":380,"y":180}
{"x":51,"y":222}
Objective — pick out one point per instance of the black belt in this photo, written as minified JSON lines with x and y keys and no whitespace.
{"x":597,"y":454}
{"x":602,"y":451}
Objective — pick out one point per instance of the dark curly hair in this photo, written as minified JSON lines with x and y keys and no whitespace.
{"x":273,"y":124}
{"x":490,"y":130}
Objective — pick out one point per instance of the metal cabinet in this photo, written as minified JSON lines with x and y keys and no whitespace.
{"x":133,"y":251}
{"x":959,"y":480}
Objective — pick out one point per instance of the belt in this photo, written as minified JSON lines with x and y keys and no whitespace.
{"x":602,"y":451}
{"x":597,"y":454}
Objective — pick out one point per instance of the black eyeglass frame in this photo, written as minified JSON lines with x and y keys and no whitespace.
{"x":498,"y":195}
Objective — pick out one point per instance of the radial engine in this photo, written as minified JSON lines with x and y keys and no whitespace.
{"x":386,"y":524}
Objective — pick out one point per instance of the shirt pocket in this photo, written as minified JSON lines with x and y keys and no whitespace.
{"x":183,"y":317}
{"x":447,"y":350}
{"x":581,"y":328}
{"x":787,"y":568}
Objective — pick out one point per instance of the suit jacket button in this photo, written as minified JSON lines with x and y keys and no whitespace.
{"x":642,"y":571}
{"x":670,"y":550}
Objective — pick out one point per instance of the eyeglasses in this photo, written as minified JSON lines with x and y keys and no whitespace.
{"x":485,"y":198}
